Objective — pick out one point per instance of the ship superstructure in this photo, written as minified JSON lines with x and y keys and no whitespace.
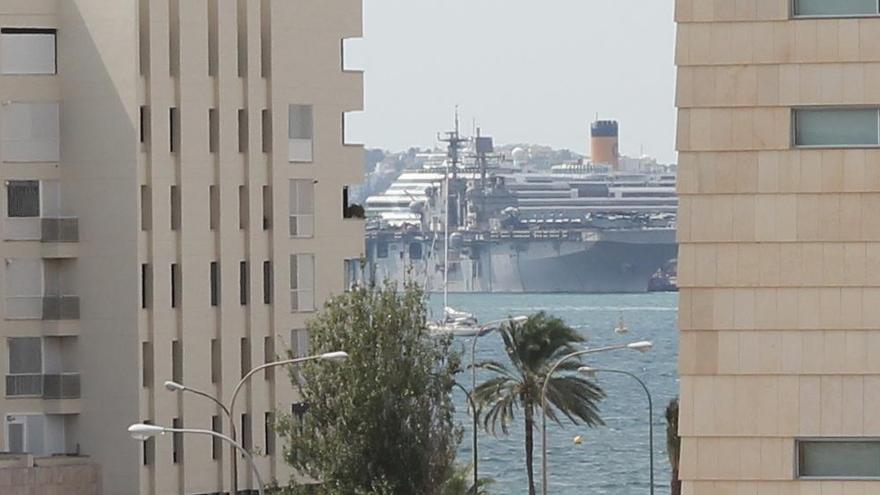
{"x":575,"y":228}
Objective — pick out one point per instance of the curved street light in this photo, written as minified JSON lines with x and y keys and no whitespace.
{"x":483,"y":331}
{"x":642,"y":346}
{"x":587,"y":370}
{"x":144,"y":432}
{"x":336,"y":356}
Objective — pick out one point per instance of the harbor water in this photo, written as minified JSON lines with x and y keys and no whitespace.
{"x":611,"y":459}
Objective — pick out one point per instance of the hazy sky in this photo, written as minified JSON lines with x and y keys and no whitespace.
{"x":533,"y":71}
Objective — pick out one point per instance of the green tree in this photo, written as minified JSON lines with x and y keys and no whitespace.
{"x":459,"y":479}
{"x":382,"y":422}
{"x":673,"y":444}
{"x":532,"y":349}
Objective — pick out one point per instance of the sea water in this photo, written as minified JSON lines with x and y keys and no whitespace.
{"x":611,"y":459}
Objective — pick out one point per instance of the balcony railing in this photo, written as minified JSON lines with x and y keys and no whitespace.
{"x":55,"y":229}
{"x":60,"y":229}
{"x":49,"y":308}
{"x":55,"y":386}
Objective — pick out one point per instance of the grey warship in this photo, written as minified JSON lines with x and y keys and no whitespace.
{"x":577,"y":228}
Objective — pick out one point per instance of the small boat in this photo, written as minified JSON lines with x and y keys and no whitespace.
{"x":621,"y":327}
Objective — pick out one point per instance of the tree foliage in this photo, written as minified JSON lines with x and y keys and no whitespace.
{"x":533,"y":348}
{"x":382,"y":422}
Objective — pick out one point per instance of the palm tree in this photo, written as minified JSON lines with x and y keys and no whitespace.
{"x":673,"y":444}
{"x":533,"y":348}
{"x":459,"y":482}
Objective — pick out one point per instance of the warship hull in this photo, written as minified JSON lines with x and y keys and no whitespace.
{"x":612,"y":261}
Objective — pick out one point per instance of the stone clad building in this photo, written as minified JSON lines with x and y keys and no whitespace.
{"x":174,"y":207}
{"x":779,"y":176}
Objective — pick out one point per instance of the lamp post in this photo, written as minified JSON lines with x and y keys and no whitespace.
{"x":144,"y":432}
{"x":482,"y":331}
{"x":228,"y":410}
{"x":592,"y":372}
{"x":643,"y":346}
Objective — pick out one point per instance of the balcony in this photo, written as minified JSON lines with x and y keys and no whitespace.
{"x":47,"y":308}
{"x":57,"y":386}
{"x":47,"y":230}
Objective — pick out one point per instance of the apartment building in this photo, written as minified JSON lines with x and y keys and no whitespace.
{"x":175,"y":192}
{"x":779,"y":175}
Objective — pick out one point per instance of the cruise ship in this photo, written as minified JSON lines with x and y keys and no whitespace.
{"x":577,"y":228}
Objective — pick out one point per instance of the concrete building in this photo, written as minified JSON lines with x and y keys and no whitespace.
{"x":173,"y":208}
{"x":779,"y":175}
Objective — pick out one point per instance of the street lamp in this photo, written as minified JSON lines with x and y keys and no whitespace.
{"x":518,"y":320}
{"x":642,"y":346}
{"x":144,"y":432}
{"x":336,"y":356}
{"x":586,"y":370}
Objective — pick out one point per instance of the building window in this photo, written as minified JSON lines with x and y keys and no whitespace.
{"x":267,"y":207}
{"x":147,"y":364}
{"x":351,"y":210}
{"x":243,"y":131}
{"x":175,"y":207}
{"x":269,"y":356}
{"x":214,"y":207}
{"x":177,"y":361}
{"x":838,"y":458}
{"x":302,"y":208}
{"x":243,"y":207}
{"x":301,"y":125}
{"x":302,"y":282}
{"x":216,"y":443}
{"x":213,"y":130}
{"x":174,"y":129}
{"x":146,"y":286}
{"x":267,"y":282}
{"x":267,"y":130}
{"x":835,"y":8}
{"x":175,"y":285}
{"x":177,"y":442}
{"x":23,"y":199}
{"x":31,"y":132}
{"x":270,"y":433}
{"x":28,"y":51}
{"x":836,"y":127}
{"x":243,"y":283}
{"x":382,"y":250}
{"x":146,"y":208}
{"x":299,"y":342}
{"x":145,"y":124}
{"x":149,"y":448}
{"x":215,"y":283}
{"x":245,"y":356}
{"x":242,"y":38}
{"x":25,"y":378}
{"x":247,"y":440}
{"x":216,"y":358}
{"x":265,"y":38}
{"x":213,"y":36}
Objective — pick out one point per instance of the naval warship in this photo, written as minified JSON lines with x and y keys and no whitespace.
{"x":472,"y":220}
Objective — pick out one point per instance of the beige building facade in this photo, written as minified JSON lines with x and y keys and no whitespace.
{"x":174,"y":208}
{"x":779,"y":225}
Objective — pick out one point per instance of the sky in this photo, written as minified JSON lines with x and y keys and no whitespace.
{"x":528,"y":71}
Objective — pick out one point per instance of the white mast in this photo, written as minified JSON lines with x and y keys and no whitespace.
{"x":446,"y":239}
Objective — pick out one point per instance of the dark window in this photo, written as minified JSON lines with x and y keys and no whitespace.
{"x":146,"y":285}
{"x":23,"y":198}
{"x":243,"y":207}
{"x":267,"y":130}
{"x":213,"y":44}
{"x":146,"y":208}
{"x":215,"y":361}
{"x":839,"y":458}
{"x":415,"y":251}
{"x":242,"y":130}
{"x":243,"y":283}
{"x":175,"y":208}
{"x":147,"y":364}
{"x":270,"y":433}
{"x":175,"y":285}
{"x":242,"y":38}
{"x":176,"y":361}
{"x":149,"y":448}
{"x":265,"y":39}
{"x":382,"y":250}
{"x":174,"y":129}
{"x":246,"y":432}
{"x":267,"y":207}
{"x":214,"y":207}
{"x":267,"y":282}
{"x":177,"y":442}
{"x":269,"y":356}
{"x":215,"y":283}
{"x":245,"y":356}
{"x":216,"y":443}
{"x":213,"y":130}
{"x":145,"y":123}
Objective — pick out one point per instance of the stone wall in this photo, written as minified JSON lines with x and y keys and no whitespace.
{"x":24,"y":475}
